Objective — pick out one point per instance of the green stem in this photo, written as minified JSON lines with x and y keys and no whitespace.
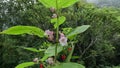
{"x":57,"y":30}
{"x":70,"y":54}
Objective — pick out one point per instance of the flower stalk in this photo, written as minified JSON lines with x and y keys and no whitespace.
{"x":70,"y":54}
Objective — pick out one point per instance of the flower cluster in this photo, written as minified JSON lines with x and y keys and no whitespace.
{"x":62,"y":39}
{"x":50,"y":35}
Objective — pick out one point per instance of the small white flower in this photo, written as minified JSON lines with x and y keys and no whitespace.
{"x":63,"y":41}
{"x":50,"y":60}
{"x":52,"y":9}
{"x":54,"y":15}
{"x":35,"y":60}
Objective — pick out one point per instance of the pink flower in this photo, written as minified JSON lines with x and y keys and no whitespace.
{"x":49,"y":34}
{"x":63,"y":39}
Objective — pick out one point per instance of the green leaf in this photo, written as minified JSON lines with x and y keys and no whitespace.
{"x":51,"y":50}
{"x":33,"y":49}
{"x":78,"y":30}
{"x":67,"y":3}
{"x":17,"y":30}
{"x":69,"y":65}
{"x":44,"y":58}
{"x":25,"y":64}
{"x":61,"y":20}
{"x":48,"y":3}
{"x":67,"y":30}
{"x":60,"y":3}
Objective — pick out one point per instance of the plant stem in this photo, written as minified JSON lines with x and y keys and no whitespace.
{"x":70,"y":54}
{"x":57,"y":30}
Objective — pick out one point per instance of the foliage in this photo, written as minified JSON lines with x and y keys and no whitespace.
{"x":51,"y":51}
{"x":102,"y":35}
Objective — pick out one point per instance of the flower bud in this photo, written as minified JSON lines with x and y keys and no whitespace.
{"x":52,"y":9}
{"x":69,"y":49}
{"x":41,"y":65}
{"x":63,"y":57}
{"x":35,"y":60}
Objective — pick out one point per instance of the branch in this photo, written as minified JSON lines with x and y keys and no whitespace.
{"x":91,"y":43}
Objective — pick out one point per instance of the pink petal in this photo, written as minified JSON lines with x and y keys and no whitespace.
{"x":63,"y":41}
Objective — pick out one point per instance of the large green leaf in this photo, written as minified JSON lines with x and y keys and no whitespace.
{"x":17,"y":30}
{"x":25,"y":64}
{"x":61,"y":20}
{"x":51,"y":50}
{"x":66,"y":3}
{"x":60,"y":3}
{"x":69,"y":65}
{"x":48,"y":3}
{"x":33,"y":49}
{"x":78,"y":30}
